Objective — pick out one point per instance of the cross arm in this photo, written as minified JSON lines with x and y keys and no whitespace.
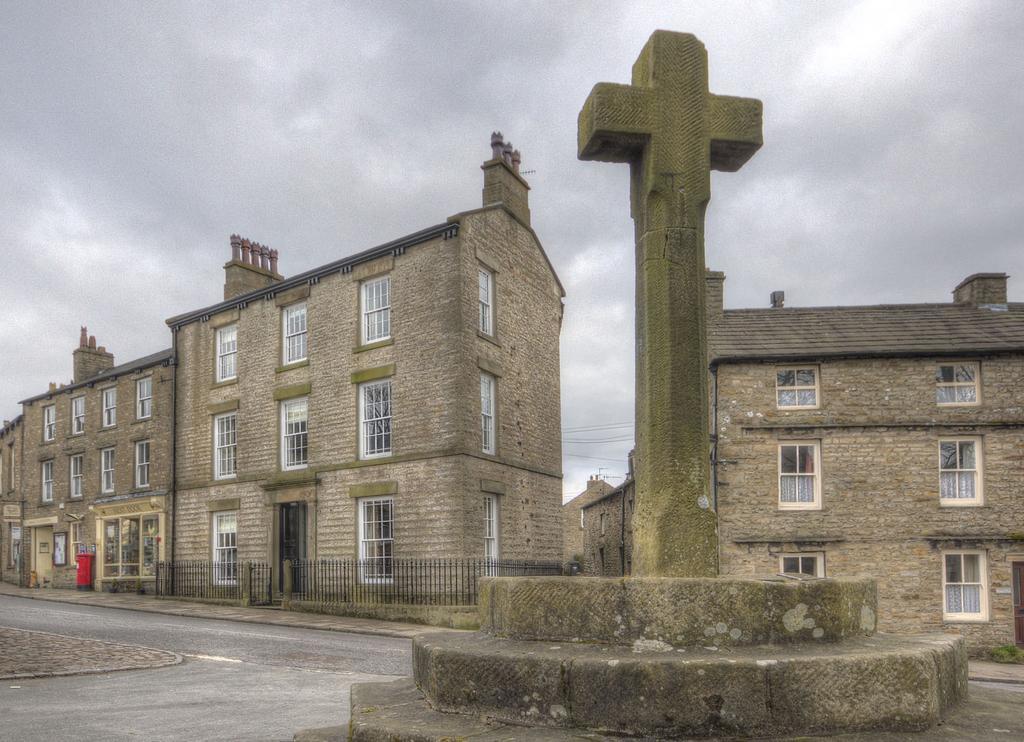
{"x":615,"y":122}
{"x":735,"y":129}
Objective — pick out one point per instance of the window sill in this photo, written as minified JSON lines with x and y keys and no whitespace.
{"x":226,"y":382}
{"x":965,"y":620}
{"x":69,"y":436}
{"x":374,"y":345}
{"x":225,"y":478}
{"x":787,"y":408}
{"x":958,"y":505}
{"x":108,"y":427}
{"x":492,"y":339}
{"x":798,"y":509}
{"x":293,"y":365}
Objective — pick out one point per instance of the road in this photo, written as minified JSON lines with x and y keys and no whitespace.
{"x":238,"y":681}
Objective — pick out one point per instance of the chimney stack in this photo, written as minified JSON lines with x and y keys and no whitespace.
{"x":778,"y":299}
{"x":88,"y":360}
{"x":714,"y":292}
{"x":503,"y":183}
{"x":982,"y":290}
{"x":252,"y":266}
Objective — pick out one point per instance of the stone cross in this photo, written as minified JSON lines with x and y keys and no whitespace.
{"x":672,"y":132}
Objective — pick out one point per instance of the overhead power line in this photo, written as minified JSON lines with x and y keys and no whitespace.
{"x":598,"y":440}
{"x":587,"y":428}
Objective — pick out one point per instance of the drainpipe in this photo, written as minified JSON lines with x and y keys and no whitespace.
{"x":714,"y":453}
{"x":622,"y":533}
{"x":174,"y":440}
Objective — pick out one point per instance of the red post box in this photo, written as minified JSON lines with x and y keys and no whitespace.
{"x":84,"y":581}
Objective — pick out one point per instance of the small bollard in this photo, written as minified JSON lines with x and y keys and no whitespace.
{"x":286,"y":584}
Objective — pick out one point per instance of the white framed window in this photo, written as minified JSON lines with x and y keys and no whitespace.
{"x":225,"y":445}
{"x":376,"y":309}
{"x":142,"y":464}
{"x":49,"y":422}
{"x":375,"y":419}
{"x":107,"y":470}
{"x":803,"y":564}
{"x":960,"y":471}
{"x":487,"y":439}
{"x":14,"y":556}
{"x":603,"y":523}
{"x":109,"y":407}
{"x":144,"y":398}
{"x":376,"y":538}
{"x":796,"y":388}
{"x":76,"y":469}
{"x":485,"y":279}
{"x":77,"y":540}
{"x":956,"y":384}
{"x":964,"y":586}
{"x":225,"y":548}
{"x":583,"y":518}
{"x":294,"y":329}
{"x":799,"y":475}
{"x":77,"y":415}
{"x":227,"y":353}
{"x":294,"y":433}
{"x":491,"y":527}
{"x":47,"y":481}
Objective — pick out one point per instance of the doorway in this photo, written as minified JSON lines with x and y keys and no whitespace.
{"x":42,"y":554}
{"x":1018,"y":603}
{"x":291,"y":540}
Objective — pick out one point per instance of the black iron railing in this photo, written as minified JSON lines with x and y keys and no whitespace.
{"x":219,"y":580}
{"x":404,"y":581}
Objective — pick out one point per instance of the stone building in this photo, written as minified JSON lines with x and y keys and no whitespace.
{"x":608,"y":532}
{"x":879,"y":440}
{"x":574,"y":519}
{"x":96,"y":471}
{"x":10,"y":500}
{"x":400,"y":402}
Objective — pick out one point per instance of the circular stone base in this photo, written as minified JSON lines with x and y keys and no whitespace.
{"x":881,"y":682}
{"x":679,"y":612}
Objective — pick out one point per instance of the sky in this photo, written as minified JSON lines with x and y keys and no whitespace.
{"x":136,"y":137}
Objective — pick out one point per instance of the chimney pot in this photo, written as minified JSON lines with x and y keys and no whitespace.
{"x":83,"y":338}
{"x":92,"y":342}
{"x":506,"y":153}
{"x":236,"y":247}
{"x":53,"y":386}
{"x":778,"y":299}
{"x":516,"y":160}
{"x":273,"y":261}
{"x":497,"y":143}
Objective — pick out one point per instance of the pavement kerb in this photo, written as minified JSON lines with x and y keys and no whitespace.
{"x":175,"y":659}
{"x":197,"y":610}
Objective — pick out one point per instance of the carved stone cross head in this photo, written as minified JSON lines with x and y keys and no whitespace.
{"x":671,"y":130}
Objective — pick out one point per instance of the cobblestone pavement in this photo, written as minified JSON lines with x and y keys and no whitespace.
{"x":34,"y":654}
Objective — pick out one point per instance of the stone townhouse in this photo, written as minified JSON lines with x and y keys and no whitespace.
{"x":402,"y":402}
{"x":574,"y":519}
{"x":96,"y":471}
{"x":606,"y":531}
{"x":10,"y":500}
{"x":878,"y":440}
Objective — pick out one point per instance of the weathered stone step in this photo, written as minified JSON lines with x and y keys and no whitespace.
{"x":879,"y":682}
{"x":679,"y":611}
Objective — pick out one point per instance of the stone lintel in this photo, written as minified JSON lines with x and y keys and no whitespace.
{"x":372,"y":374}
{"x":373,"y":489}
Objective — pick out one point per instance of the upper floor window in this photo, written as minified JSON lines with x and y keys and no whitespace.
{"x":144,"y":398}
{"x":77,"y":415}
{"x":294,"y":319}
{"x":76,"y":467}
{"x":142,"y":464}
{"x":487,"y":413}
{"x":799,"y":483}
{"x":375,"y":419}
{"x":603,"y":523}
{"x":956,"y":384}
{"x":490,"y":527}
{"x":107,"y":470}
{"x":109,"y":407}
{"x":294,"y":434}
{"x":376,"y":311}
{"x":797,"y":388}
{"x":964,"y":586}
{"x":959,"y":471}
{"x":47,"y":493}
{"x":486,"y":282}
{"x":225,"y":445}
{"x":227,"y":352}
{"x":802,"y":565}
{"x":49,"y":422}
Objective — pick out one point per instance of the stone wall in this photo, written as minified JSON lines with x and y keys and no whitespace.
{"x":608,"y":533}
{"x":10,"y":497}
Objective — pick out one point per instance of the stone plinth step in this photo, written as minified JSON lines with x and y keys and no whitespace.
{"x":878,"y":682}
{"x":679,"y":611}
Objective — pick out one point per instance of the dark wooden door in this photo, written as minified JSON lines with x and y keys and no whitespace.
{"x":1018,"y":602}
{"x":291,"y":537}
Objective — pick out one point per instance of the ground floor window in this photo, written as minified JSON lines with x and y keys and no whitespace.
{"x":490,"y":527}
{"x":77,"y":541}
{"x":965,"y":593}
{"x":802,"y":564}
{"x":14,"y":559}
{"x":376,"y":538}
{"x":130,"y":546}
{"x":225,"y":548}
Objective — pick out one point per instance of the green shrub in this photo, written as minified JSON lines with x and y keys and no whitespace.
{"x":1007,"y":653}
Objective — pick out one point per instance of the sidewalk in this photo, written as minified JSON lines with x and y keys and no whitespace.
{"x":996,"y":672}
{"x":270,"y":616}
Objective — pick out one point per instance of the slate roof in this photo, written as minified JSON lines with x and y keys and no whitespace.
{"x":887,"y":330}
{"x":125,"y":368}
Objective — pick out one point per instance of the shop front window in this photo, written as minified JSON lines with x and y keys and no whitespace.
{"x":131,"y":546}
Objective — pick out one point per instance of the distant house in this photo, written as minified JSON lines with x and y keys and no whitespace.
{"x":574,"y":518}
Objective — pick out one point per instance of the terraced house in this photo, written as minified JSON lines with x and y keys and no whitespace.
{"x":95,"y":471}
{"x":400,"y":402}
{"x":10,"y":501}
